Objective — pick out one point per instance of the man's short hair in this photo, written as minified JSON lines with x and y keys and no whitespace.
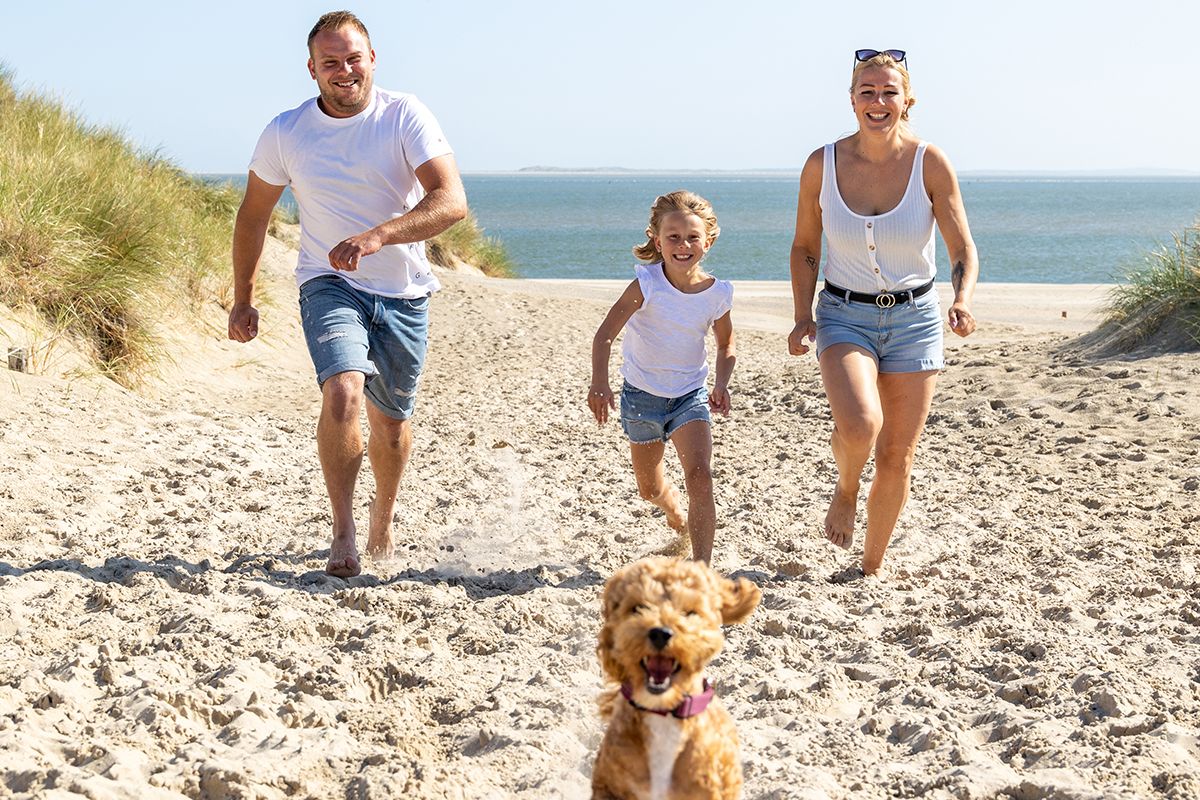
{"x":334,"y":20}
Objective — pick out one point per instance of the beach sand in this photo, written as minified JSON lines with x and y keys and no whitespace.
{"x":166,"y":629}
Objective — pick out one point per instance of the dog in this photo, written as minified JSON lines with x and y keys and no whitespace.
{"x":668,"y":736}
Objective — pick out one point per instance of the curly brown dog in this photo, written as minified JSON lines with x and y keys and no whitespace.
{"x":668,"y":737}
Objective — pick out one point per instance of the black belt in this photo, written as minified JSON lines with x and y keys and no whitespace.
{"x":885,"y":300}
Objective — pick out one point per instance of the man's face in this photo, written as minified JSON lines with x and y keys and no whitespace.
{"x":343,"y":65}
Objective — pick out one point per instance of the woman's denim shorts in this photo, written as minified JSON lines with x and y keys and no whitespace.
{"x":385,"y":338}
{"x":904,"y":338}
{"x":647,"y":418}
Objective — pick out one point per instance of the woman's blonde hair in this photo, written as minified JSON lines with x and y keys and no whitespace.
{"x":687,"y":202}
{"x":887,"y":62}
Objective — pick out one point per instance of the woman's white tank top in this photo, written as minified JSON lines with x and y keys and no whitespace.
{"x":886,"y":252}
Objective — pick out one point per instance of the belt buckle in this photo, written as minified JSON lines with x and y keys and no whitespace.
{"x":885,"y":300}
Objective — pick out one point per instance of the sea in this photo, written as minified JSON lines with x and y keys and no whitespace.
{"x":1027,"y":229}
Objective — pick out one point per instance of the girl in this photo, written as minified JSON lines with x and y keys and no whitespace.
{"x":669,"y":309}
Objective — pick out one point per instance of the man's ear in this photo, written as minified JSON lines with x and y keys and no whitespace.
{"x":312,"y":69}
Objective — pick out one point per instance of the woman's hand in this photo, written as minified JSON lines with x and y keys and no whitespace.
{"x":805,"y":329}
{"x":962,"y":321}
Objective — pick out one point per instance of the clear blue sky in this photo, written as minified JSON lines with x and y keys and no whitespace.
{"x":1021,"y":85}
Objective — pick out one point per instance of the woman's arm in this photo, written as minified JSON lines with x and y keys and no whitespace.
{"x":600,"y":397}
{"x":951,"y":217}
{"x":806,"y":253}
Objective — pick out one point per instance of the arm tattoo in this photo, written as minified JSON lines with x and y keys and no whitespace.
{"x":957,"y":274}
{"x":812,"y":263}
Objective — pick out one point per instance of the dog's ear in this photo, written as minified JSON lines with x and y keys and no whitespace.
{"x":738,"y":599}
{"x":604,"y":651}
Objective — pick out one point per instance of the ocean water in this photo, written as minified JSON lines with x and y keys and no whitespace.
{"x":1027,"y":229}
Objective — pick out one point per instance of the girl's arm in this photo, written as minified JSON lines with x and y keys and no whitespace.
{"x":951,"y":217}
{"x":600,"y":397}
{"x":806,"y":253}
{"x":718,"y":398}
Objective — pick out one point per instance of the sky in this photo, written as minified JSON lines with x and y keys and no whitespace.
{"x":757,"y":84}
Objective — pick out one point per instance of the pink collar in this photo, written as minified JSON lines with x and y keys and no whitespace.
{"x":690,"y":707}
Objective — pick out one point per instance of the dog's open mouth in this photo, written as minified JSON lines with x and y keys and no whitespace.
{"x":659,"y":671}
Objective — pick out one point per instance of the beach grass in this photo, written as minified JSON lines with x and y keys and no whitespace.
{"x":466,"y":242}
{"x":96,"y":234}
{"x":1157,"y":302}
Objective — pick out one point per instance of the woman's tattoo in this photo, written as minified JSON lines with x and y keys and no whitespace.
{"x":812,"y":263}
{"x":957,"y":274}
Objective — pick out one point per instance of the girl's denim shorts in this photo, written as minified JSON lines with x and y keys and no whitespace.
{"x":904,"y":338}
{"x":647,"y":418}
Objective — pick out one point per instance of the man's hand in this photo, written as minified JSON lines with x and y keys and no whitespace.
{"x":243,"y":322}
{"x":805,"y":329}
{"x":348,"y":252}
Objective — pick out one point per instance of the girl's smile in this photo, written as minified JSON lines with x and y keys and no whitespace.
{"x":682,"y":240}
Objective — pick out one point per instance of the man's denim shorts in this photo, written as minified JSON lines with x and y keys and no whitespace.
{"x":649,"y":418}
{"x":904,"y":338}
{"x":349,"y":330}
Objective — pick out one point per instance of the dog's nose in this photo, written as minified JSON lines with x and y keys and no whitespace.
{"x":659,"y":637}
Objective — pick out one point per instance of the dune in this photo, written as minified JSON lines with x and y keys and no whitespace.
{"x":167,"y":630}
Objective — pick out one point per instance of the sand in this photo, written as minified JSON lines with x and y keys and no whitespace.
{"x":166,"y":629}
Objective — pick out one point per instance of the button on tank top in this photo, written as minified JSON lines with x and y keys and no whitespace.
{"x":885,"y":252}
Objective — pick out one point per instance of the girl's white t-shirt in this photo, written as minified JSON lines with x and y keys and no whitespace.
{"x":664,"y":347}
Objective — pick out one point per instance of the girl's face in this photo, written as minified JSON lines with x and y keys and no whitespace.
{"x":878,"y":99}
{"x":681,"y":239}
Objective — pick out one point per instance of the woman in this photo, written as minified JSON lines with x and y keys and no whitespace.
{"x":876,"y":195}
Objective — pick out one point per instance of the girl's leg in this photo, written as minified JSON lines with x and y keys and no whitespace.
{"x":905,"y":398}
{"x":693,"y":443}
{"x":850,"y":376}
{"x":652,"y":482}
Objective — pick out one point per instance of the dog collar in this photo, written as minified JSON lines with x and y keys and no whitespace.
{"x":691,"y":706}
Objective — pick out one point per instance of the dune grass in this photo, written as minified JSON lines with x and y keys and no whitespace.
{"x":1158,"y":302}
{"x":98,"y":236}
{"x":466,"y":241}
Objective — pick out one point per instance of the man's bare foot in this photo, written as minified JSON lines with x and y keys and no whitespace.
{"x":379,"y":538}
{"x":839,"y":519}
{"x":343,"y":558}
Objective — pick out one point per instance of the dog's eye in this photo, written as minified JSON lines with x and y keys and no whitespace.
{"x":692,"y":613}
{"x":639,"y":608}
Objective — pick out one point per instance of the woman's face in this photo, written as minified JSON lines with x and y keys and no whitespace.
{"x":878,"y":99}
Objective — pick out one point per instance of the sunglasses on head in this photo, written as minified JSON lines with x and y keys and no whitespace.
{"x":867,"y":55}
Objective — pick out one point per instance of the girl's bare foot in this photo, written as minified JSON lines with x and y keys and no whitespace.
{"x":839,"y":519}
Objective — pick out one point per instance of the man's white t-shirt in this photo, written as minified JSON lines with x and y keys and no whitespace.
{"x":664,"y":348}
{"x":349,"y":175}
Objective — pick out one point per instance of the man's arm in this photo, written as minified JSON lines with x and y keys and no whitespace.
{"x":444,"y":203}
{"x":249,"y":233}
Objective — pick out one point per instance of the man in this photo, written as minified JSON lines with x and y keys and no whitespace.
{"x":374,"y":178}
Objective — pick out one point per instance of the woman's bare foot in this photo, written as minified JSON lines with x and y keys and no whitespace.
{"x":343,"y":557}
{"x":839,"y":519}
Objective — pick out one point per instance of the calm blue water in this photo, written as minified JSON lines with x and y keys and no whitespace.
{"x":1071,"y":230}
